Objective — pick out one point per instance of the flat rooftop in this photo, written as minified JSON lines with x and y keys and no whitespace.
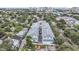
{"x":46,"y":33}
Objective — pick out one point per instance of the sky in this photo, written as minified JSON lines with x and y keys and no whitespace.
{"x":38,"y":3}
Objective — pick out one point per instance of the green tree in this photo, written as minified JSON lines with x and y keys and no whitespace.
{"x":29,"y":43}
{"x":58,"y":40}
{"x":5,"y":46}
{"x":77,"y":26}
{"x":61,"y":24}
{"x":67,"y":33}
{"x":18,"y":28}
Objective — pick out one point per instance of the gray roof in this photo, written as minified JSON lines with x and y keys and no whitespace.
{"x":47,"y":34}
{"x":18,"y":37}
{"x":34,"y":31}
{"x":22,"y":33}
